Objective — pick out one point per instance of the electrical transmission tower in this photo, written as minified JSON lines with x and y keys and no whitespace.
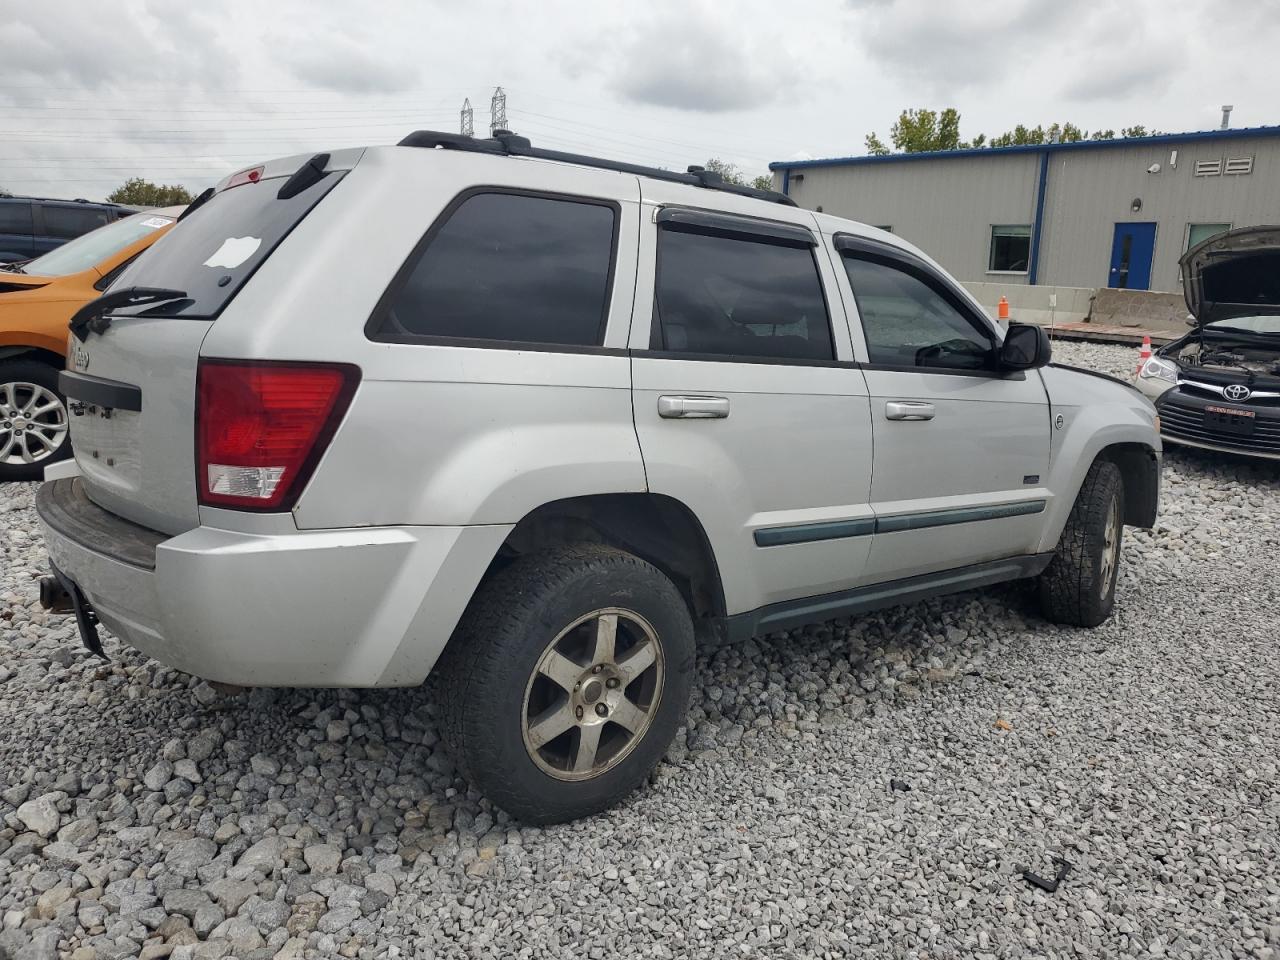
{"x":468,"y":119}
{"x":498,"y":111}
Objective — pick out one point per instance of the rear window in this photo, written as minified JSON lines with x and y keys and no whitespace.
{"x":512,"y":268}
{"x":213,"y":252}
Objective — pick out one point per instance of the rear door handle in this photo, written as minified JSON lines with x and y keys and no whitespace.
{"x":693,"y":408}
{"x":908,"y":410}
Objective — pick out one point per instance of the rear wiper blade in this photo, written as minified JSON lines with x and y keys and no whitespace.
{"x":91,"y":317}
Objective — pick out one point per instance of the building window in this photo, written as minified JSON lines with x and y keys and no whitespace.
{"x":1199,"y":232}
{"x":1010,"y":249}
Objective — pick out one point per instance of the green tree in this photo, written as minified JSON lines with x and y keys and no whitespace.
{"x":1138,"y":131}
{"x":143,"y":193}
{"x":875,"y":146}
{"x":922,"y":131}
{"x":763,"y":182}
{"x":728,"y":171}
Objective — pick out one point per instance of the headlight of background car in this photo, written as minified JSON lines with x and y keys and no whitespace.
{"x":1158,"y":369}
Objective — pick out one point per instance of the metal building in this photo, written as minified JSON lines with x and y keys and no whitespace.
{"x":1097,"y":213}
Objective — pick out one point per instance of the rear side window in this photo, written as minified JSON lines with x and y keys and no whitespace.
{"x":15,"y":217}
{"x":508,"y":267}
{"x":214,"y":251}
{"x":736,"y":297}
{"x":70,"y":222}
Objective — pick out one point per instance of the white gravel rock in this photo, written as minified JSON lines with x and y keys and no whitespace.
{"x":141,"y":809}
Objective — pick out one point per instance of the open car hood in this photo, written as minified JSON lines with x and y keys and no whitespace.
{"x":1233,"y":274}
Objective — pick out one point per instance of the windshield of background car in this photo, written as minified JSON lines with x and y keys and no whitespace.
{"x":1264,"y":325}
{"x":211,"y":253}
{"x":90,"y":249}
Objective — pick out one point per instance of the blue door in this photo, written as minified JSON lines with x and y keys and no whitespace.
{"x":1131,"y":252}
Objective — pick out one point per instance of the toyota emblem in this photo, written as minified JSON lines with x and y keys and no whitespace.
{"x":1237,"y":392}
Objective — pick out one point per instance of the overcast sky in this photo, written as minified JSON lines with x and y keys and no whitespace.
{"x":93,"y":92}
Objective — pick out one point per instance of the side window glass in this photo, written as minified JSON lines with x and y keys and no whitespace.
{"x":70,"y":222}
{"x":511,"y":267}
{"x":15,"y":217}
{"x":908,"y":323}
{"x":740,"y":298}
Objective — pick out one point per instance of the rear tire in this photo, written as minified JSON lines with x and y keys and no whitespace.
{"x":566,"y":680}
{"x":33,"y":420}
{"x":1078,"y":587}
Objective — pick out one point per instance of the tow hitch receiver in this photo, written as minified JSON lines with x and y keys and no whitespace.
{"x":59,"y":594}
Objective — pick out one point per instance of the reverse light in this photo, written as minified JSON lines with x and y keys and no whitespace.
{"x":1158,"y":369}
{"x":261,"y":427}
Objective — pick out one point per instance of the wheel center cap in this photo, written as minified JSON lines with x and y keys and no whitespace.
{"x":19,"y":423}
{"x":592,"y":690}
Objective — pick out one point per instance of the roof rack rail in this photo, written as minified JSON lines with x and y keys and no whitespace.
{"x":506,"y":143}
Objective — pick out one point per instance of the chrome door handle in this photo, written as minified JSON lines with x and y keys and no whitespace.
{"x":908,"y":410}
{"x":693,"y":408}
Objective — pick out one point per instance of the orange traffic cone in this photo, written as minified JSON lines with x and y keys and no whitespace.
{"x":1144,"y":353}
{"x":1002,"y":311}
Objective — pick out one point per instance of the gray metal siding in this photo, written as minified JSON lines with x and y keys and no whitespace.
{"x":948,"y":205}
{"x":1091,"y":191}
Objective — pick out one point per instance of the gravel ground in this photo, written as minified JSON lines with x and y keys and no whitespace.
{"x":144,"y":814}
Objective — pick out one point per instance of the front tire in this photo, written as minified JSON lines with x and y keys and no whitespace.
{"x":33,"y":420}
{"x":1078,"y":588}
{"x":566,"y":681}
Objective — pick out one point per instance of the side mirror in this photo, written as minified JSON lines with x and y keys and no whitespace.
{"x":1025,"y":347}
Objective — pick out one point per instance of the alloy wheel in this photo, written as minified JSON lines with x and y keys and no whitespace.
{"x":33,"y":423}
{"x":593,"y":694}
{"x":1110,"y":548}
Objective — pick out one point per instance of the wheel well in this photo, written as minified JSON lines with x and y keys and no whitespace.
{"x":658,"y":529}
{"x":1140,"y":470}
{"x":33,"y":353}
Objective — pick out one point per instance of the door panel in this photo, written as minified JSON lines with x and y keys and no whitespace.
{"x":987,"y":446}
{"x":780,"y":445}
{"x":1132,"y":249}
{"x":960,"y":454}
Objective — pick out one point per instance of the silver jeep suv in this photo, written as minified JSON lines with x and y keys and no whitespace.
{"x":538,"y":425}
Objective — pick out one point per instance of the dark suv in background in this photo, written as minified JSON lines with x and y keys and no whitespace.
{"x":32,"y":226}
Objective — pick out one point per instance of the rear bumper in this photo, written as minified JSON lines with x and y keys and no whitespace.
{"x":353,"y":607}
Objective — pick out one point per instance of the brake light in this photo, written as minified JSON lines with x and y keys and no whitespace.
{"x":252,"y":175}
{"x":261,"y":427}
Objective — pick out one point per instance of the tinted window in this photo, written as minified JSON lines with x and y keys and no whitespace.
{"x":214,"y":251}
{"x":740,"y":298}
{"x":70,"y":222}
{"x":511,"y":267}
{"x":15,"y":217}
{"x":909,"y":323}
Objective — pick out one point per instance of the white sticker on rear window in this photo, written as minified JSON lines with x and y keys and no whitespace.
{"x":234,"y":251}
{"x":156,"y":222}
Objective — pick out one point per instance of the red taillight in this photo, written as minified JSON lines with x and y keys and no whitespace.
{"x":261,"y":426}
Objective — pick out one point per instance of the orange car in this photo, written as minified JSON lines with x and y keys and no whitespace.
{"x":37,"y":299}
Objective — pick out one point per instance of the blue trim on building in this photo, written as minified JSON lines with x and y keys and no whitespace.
{"x":1034,"y":267}
{"x":1233,"y":134}
{"x":786,"y":181}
